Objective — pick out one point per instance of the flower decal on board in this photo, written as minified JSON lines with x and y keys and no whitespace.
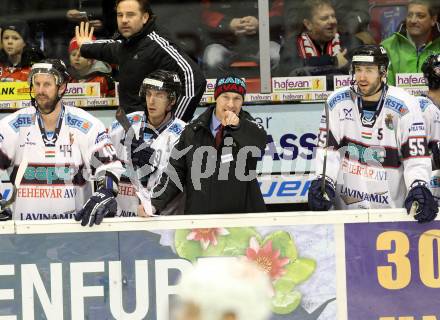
{"x":207,"y":236}
{"x":276,"y":253}
{"x":267,"y":258}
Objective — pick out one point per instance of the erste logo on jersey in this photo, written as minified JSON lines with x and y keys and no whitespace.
{"x":345,"y":95}
{"x":79,"y":123}
{"x":132,"y":119}
{"x":396,"y":105}
{"x":22,"y":120}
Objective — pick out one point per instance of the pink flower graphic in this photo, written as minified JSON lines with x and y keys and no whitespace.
{"x":267,"y":258}
{"x":206,"y":236}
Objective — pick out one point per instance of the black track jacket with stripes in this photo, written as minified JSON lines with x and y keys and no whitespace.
{"x":143,"y":53}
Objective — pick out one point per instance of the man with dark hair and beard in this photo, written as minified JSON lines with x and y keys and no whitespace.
{"x":52,"y":151}
{"x":140,"y":49}
{"x":372,"y":148}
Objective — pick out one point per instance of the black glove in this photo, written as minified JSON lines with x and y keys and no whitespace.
{"x":142,"y":155}
{"x":5,"y":213}
{"x":101,"y":204}
{"x":318,"y":201}
{"x":427,"y":207}
{"x":435,"y":149}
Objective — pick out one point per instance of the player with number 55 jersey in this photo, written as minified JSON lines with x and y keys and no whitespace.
{"x":377,"y":155}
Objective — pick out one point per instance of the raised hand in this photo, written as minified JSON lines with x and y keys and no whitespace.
{"x":83,"y":33}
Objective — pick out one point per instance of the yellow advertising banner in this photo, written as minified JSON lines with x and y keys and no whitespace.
{"x":13,"y":91}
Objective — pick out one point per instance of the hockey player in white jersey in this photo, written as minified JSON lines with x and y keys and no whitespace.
{"x":145,"y":150}
{"x":377,"y":155}
{"x":52,"y":152}
{"x":430,"y":106}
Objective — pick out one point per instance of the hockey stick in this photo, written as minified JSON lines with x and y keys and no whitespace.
{"x":122,"y":118}
{"x":324,"y":165}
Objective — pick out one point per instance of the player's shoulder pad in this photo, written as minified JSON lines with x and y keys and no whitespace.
{"x":398,"y":100}
{"x":338,"y":96}
{"x":134,"y":118}
{"x":80,"y":119}
{"x":22,"y":118}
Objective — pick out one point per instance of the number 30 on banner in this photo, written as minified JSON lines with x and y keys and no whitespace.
{"x":399,"y":261}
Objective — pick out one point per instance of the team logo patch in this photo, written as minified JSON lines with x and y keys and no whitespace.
{"x":389,"y":121}
{"x":102,"y":136}
{"x":423,"y":103}
{"x":79,"y":123}
{"x":396,"y":105}
{"x":176,"y":128}
{"x":22,"y":120}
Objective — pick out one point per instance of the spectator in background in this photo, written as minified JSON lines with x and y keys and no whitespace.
{"x":100,"y":14}
{"x":16,"y":55}
{"x":90,"y":70}
{"x":417,"y":38}
{"x":218,"y":168}
{"x":315,"y":47}
{"x":232,"y":33}
{"x":353,"y":19}
{"x":140,"y":50}
{"x":225,"y":289}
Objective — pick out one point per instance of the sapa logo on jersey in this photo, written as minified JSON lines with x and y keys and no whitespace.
{"x":48,"y":175}
{"x":22,"y":120}
{"x":406,"y":80}
{"x":295,"y":84}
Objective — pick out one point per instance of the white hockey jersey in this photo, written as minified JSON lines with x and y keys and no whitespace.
{"x":380,"y":153}
{"x":163,"y":144}
{"x":56,"y":182}
{"x":431,"y":115}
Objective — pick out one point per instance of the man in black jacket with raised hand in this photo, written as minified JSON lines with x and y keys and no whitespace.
{"x":139,"y":50}
{"x":215,"y":160}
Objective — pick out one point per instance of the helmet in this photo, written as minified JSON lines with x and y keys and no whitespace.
{"x":431,"y":71}
{"x":168,"y":81}
{"x":370,"y":54}
{"x":55,"y":67}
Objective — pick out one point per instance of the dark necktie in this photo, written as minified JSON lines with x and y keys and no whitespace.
{"x":219,"y":136}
